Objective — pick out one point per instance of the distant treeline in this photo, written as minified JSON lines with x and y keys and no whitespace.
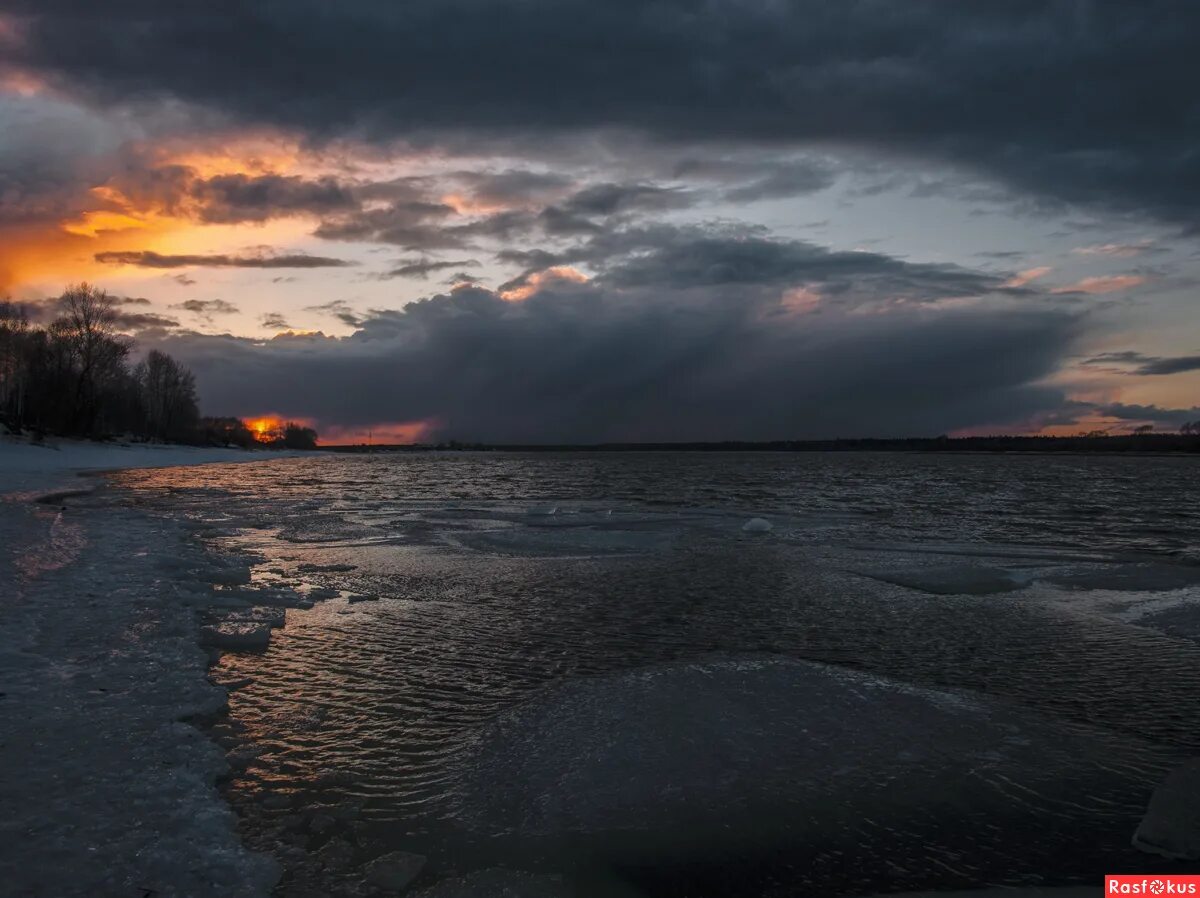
{"x":1188,"y":440}
{"x":74,"y":377}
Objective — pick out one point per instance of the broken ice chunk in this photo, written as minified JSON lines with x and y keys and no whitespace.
{"x":237,"y":637}
{"x":395,"y":870}
{"x":1171,"y":827}
{"x":758,"y":525}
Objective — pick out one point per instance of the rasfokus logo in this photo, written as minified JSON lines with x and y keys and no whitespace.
{"x":1151,"y":884}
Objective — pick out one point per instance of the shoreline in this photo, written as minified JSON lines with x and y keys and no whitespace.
{"x":25,"y":465}
{"x":112,"y":781}
{"x":104,"y":663}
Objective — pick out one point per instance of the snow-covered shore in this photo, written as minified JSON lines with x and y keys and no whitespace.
{"x":107,"y":790}
{"x":25,"y":465}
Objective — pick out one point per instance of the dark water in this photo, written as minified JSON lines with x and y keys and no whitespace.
{"x":934,"y":671}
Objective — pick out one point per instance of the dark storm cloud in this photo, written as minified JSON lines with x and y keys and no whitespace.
{"x":593,"y":362}
{"x":148,"y":259}
{"x":1077,"y":100}
{"x":1146,"y":364}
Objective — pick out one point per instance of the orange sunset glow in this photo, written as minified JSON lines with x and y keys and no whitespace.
{"x":269,"y":428}
{"x":265,"y":429}
{"x":116,"y":214}
{"x":400,"y":433}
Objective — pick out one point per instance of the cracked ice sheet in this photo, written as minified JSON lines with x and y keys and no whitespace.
{"x":794,"y":759}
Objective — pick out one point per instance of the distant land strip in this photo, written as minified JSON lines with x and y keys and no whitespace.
{"x":1143,"y":443}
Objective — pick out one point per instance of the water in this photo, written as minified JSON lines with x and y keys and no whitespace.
{"x":935,"y":671}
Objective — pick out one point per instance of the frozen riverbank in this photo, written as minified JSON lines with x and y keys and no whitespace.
{"x":107,"y":789}
{"x":25,"y":465}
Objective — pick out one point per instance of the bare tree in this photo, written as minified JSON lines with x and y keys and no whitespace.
{"x":73,"y":377}
{"x":14,"y":368}
{"x":168,"y":392}
{"x":297,"y":436}
{"x":94,"y":350}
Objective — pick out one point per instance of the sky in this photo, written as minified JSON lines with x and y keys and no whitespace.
{"x":518,"y":221}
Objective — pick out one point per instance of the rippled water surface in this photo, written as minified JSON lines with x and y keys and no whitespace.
{"x":933,"y":671}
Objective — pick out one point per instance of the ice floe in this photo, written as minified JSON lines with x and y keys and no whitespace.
{"x":758,"y":525}
{"x":663,"y":761}
{"x":1171,"y":827}
{"x":394,"y":871}
{"x":953,"y":579}
{"x":234,"y":637}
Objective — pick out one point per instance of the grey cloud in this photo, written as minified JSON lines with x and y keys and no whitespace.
{"x":611,"y":199}
{"x":238,"y":198}
{"x":274,"y":321}
{"x":47,"y":309}
{"x":675,"y":258}
{"x":411,"y":223}
{"x":718,"y":261}
{"x":148,"y":259}
{"x":1080,"y":101}
{"x":514,"y":187}
{"x":559,"y":222}
{"x":422,"y":268}
{"x":339,"y":309}
{"x":1171,"y":417}
{"x":1121,"y":250}
{"x":594,"y":208}
{"x":784,"y":181}
{"x":588,"y":362}
{"x":50,"y":154}
{"x":1138,"y":363}
{"x":137,"y":321}
{"x":207,"y":308}
{"x":1171,"y":365}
